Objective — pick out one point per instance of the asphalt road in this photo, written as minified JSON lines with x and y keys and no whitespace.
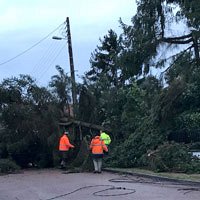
{"x":54,"y":184}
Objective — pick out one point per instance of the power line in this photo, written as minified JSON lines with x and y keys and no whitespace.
{"x":113,"y":189}
{"x":45,"y":59}
{"x":52,"y":61}
{"x":47,"y":56}
{"x":11,"y":59}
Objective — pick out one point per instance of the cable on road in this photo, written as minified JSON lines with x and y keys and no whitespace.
{"x":111,"y":190}
{"x":128,"y":191}
{"x":134,"y":180}
{"x":189,"y":190}
{"x":156,"y":181}
{"x":99,"y":192}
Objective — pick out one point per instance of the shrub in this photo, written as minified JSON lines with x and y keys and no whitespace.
{"x":8,"y":166}
{"x":173,"y":157}
{"x":3,"y":150}
{"x":128,"y":154}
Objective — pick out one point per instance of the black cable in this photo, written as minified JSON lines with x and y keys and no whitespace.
{"x":131,"y":191}
{"x":111,"y":187}
{"x":189,"y":190}
{"x":152,"y":181}
{"x":126,"y":191}
{"x":50,"y":65}
{"x":130,"y":180}
{"x":44,"y":60}
{"x":47,"y":56}
{"x":156,"y":181}
{"x":31,"y":46}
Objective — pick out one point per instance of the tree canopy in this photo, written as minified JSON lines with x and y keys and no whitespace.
{"x":143,"y":84}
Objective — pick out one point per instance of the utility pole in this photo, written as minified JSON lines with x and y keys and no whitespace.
{"x":71,"y":67}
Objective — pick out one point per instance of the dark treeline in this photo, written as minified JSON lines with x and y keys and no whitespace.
{"x":143,"y":84}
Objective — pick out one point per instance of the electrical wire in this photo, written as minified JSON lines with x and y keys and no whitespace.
{"x":44,"y":72}
{"x":152,"y":180}
{"x":126,"y":191}
{"x":25,"y":51}
{"x":157,"y":181}
{"x":131,"y":180}
{"x":48,"y":53}
{"x":189,"y":190}
{"x":129,"y":191}
{"x":46,"y":61}
{"x":98,"y":193}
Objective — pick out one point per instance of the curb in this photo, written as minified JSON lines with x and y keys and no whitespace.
{"x":161,"y":178}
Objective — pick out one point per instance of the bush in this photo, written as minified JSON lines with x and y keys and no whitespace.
{"x":3,"y":150}
{"x":8,"y":166}
{"x":129,"y":153}
{"x":173,"y":158}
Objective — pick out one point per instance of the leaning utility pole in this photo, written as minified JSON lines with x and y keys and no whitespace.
{"x":71,"y":67}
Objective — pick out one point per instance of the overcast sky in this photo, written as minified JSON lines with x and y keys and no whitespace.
{"x":25,"y":23}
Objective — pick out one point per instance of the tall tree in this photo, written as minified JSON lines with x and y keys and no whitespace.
{"x":29,"y":115}
{"x":61,"y":85}
{"x":104,"y":60}
{"x":150,"y":30}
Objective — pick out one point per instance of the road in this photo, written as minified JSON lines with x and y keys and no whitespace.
{"x":50,"y":184}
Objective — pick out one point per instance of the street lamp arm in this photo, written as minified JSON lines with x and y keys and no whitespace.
{"x":57,"y":38}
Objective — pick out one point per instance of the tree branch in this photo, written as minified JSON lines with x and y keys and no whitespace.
{"x":176,"y":60}
{"x":185,"y":39}
{"x":175,"y":41}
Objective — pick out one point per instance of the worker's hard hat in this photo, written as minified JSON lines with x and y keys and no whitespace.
{"x":66,"y":132}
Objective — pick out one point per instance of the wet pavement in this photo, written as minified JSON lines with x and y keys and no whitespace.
{"x":52,"y":184}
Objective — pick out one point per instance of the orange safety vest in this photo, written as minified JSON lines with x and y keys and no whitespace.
{"x":98,"y":146}
{"x":64,"y":143}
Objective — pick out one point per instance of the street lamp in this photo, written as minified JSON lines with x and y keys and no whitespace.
{"x":71,"y":63}
{"x":57,"y":38}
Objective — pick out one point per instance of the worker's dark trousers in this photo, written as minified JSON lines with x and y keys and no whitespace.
{"x":63,"y":158}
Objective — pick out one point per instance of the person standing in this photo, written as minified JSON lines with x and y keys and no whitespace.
{"x":97,"y":146}
{"x":105,"y":137}
{"x":64,"y":146}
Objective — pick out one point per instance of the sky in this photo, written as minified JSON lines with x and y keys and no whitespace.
{"x":27,"y":28}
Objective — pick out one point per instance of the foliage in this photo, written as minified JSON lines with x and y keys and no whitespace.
{"x":128,"y":153}
{"x":150,"y":111}
{"x":134,"y":109}
{"x":61,"y":87}
{"x":104,"y":61}
{"x":8,"y":166}
{"x":3,"y":150}
{"x":173,"y":157}
{"x":189,"y":10}
{"x":120,"y":90}
{"x":28,"y":119}
{"x":188,"y":121}
{"x":104,"y":82}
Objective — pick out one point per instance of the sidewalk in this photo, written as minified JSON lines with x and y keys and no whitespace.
{"x":189,"y":179}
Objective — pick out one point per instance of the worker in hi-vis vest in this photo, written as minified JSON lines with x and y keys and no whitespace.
{"x":105,"y":137}
{"x":98,"y":147}
{"x":64,"y":146}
